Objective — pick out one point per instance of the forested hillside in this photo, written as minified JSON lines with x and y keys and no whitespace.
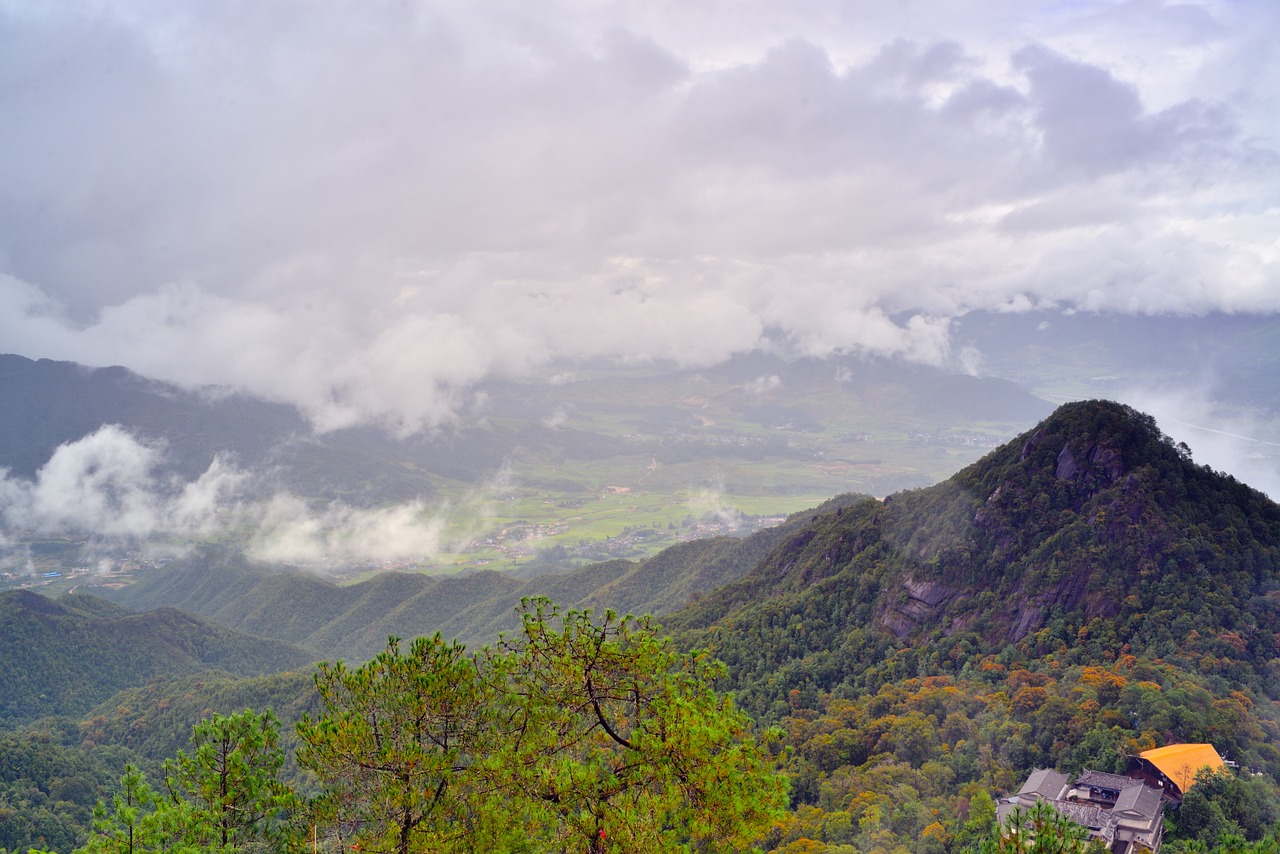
{"x":1081,"y":594}
{"x":1089,"y":536}
{"x":63,"y":657}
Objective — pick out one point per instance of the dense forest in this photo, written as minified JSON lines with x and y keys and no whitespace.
{"x":1080,"y":594}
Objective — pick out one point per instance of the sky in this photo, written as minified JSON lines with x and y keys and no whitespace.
{"x":363,"y":208}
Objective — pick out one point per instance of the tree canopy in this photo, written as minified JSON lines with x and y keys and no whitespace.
{"x":577,"y":733}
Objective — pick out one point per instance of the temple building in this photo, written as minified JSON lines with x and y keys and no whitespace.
{"x":1174,"y":767}
{"x":1124,"y":814}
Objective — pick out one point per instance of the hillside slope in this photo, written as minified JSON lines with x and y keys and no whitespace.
{"x":1079,"y":595}
{"x":62,"y":657}
{"x":354,"y":621}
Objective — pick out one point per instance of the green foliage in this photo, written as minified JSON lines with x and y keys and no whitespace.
{"x":397,"y":734}
{"x":920,"y":654}
{"x":76,"y":656}
{"x":980,"y":824}
{"x":1038,"y":829}
{"x":572,"y":732}
{"x":1018,"y":664}
{"x":48,"y":786}
{"x":1223,"y":804}
{"x":155,"y":720}
{"x":131,"y":825}
{"x":613,"y":733}
{"x":224,"y":796}
{"x":991,"y":726}
{"x":228,"y":787}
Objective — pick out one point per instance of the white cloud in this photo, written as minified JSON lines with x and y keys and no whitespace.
{"x":111,"y":484}
{"x":363,"y":209}
{"x":1235,"y":441}
{"x":764,"y":385}
{"x":291,"y":532}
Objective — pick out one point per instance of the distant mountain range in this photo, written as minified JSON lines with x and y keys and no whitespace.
{"x":551,"y":471}
{"x":52,"y":403}
{"x":1234,"y":358}
{"x":59,"y":402}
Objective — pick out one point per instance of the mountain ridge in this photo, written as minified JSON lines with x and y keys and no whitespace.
{"x":1078,"y":595}
{"x":61,"y":657}
{"x":354,"y":620}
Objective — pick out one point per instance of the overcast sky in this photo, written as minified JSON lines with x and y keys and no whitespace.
{"x":361,"y":207}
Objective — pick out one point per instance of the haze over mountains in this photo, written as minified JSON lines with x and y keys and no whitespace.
{"x":1067,"y":522}
{"x":570,"y":469}
{"x":1090,"y":516}
{"x":105,"y":455}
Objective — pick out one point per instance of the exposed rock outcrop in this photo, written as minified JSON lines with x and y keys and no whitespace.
{"x":924,"y":601}
{"x":1101,"y":465}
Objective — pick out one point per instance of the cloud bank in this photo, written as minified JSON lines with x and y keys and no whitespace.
{"x":110,"y":484}
{"x":362,"y":209}
{"x":112,"y":487}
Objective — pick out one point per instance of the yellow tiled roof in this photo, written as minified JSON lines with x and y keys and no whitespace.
{"x":1180,"y":762}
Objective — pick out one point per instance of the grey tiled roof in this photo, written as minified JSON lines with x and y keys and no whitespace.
{"x":1139,"y":801}
{"x":1087,"y":815}
{"x":1044,"y":783}
{"x":1137,"y":810}
{"x":1103,"y":780}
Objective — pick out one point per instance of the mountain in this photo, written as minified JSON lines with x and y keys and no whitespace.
{"x":1089,"y":535}
{"x":562,"y":470}
{"x":1079,"y":595}
{"x":353,"y":621}
{"x":62,"y":657}
{"x":60,"y":402}
{"x":1092,"y":519}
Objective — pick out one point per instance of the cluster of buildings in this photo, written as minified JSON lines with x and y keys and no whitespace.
{"x":1123,"y":811}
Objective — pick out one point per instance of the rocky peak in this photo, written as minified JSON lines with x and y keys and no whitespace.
{"x":1100,"y":462}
